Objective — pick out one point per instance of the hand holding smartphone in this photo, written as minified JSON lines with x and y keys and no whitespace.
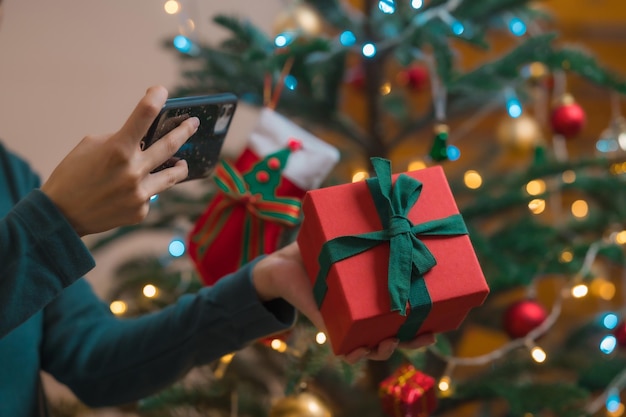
{"x":203,"y":148}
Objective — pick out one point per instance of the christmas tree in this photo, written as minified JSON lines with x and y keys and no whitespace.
{"x":546,"y":212}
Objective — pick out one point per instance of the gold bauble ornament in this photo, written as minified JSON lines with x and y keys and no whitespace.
{"x":536,"y":72}
{"x":301,"y":405}
{"x":299,"y":18}
{"x":519,"y":134}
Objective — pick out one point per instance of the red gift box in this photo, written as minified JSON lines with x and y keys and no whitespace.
{"x":408,"y":393}
{"x":357,"y":307}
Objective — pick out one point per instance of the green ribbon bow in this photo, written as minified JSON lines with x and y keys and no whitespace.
{"x":409,"y":258}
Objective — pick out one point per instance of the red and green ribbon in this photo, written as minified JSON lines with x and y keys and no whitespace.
{"x":261,"y":207}
{"x":409,"y":258}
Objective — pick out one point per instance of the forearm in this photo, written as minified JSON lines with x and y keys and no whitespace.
{"x":40,"y":255}
{"x":107,"y":361}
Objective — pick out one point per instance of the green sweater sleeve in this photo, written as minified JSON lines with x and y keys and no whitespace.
{"x":106,"y":360}
{"x":40,"y":255}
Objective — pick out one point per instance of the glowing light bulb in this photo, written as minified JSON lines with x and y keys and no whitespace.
{"x":387,"y":6}
{"x":183,"y":44}
{"x":568,"y":176}
{"x":603,"y":288}
{"x":514,"y":107}
{"x":472,"y":179}
{"x":616,"y":169}
{"x":606,"y":145}
{"x":385,"y":89}
{"x":613,"y":401}
{"x":444,"y":383}
{"x":369,"y":50}
{"x":615,"y":410}
{"x":417,"y":4}
{"x":359,"y":176}
{"x":347,"y":38}
{"x":566,"y":256}
{"x":620,"y":237}
{"x":320,"y":338}
{"x":537,"y":206}
{"x":291,"y":82}
{"x":580,"y":290}
{"x":171,"y":7}
{"x":176,"y":248}
{"x":610,"y":321}
{"x":118,"y":307}
{"x":150,"y":291}
{"x":608,"y":344}
{"x":457,"y":28}
{"x":453,"y":153}
{"x":580,"y":208}
{"x":538,"y":354}
{"x":517,"y":26}
{"x":283,"y":39}
{"x":278,"y":345}
{"x":536,"y":187}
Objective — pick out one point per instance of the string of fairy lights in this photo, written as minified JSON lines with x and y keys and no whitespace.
{"x":579,"y":286}
{"x":576,"y":289}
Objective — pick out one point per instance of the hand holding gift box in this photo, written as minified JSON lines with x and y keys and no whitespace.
{"x":389,"y":259}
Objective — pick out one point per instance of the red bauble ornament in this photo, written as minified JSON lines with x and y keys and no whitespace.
{"x":415,"y":77}
{"x":568,"y":118}
{"x":522,"y":317}
{"x":620,"y":334}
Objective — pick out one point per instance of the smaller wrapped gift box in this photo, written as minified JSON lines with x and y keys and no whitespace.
{"x":355,"y":296}
{"x":408,"y":392}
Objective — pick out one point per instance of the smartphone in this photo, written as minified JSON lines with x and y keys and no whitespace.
{"x":203,"y":148}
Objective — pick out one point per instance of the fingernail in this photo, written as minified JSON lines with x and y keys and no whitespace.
{"x":195,"y":122}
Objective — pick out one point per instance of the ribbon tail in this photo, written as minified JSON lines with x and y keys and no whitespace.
{"x":421,"y":304}
{"x":399,"y":270}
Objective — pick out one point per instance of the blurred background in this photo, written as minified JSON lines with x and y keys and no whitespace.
{"x":69,"y":69}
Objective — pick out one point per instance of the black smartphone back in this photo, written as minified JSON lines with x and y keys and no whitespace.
{"x":202,"y":149}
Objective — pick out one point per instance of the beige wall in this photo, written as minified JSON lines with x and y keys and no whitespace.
{"x":70,"y":68}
